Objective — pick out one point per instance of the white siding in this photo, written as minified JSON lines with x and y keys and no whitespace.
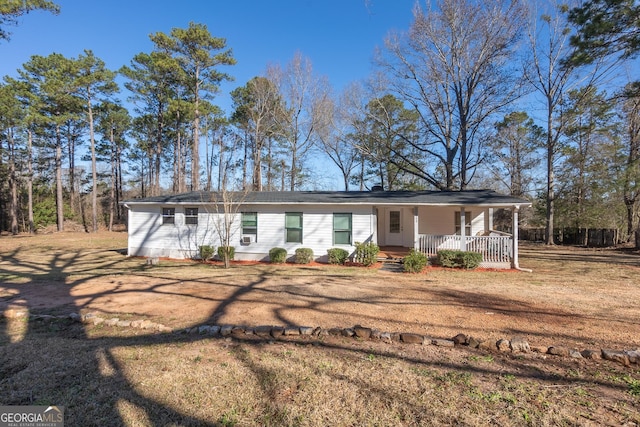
{"x":149,"y":237}
{"x":477,"y":222}
{"x":317,"y":229}
{"x":440,"y":220}
{"x":437,"y":220}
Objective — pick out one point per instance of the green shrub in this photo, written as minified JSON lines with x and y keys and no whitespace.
{"x":337,"y":255}
{"x":206,"y":252}
{"x":367,"y":253}
{"x":470,"y":259}
{"x":415,"y":262}
{"x":230,"y":251}
{"x":447,"y":258}
{"x":44,"y":213}
{"x":278,"y":255}
{"x":304,"y":255}
{"x":458,"y":259}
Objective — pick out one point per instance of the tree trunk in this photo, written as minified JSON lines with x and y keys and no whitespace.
{"x":225,"y":257}
{"x":143,"y":190}
{"x":283,"y":175}
{"x":118,"y":181}
{"x":345,"y":177}
{"x":114,"y":182}
{"x":157,"y":169}
{"x":59,"y":193}
{"x":449,"y":169}
{"x":245,"y":161}
{"x":30,"y":180}
{"x":463,"y":148}
{"x":294,"y":167}
{"x":13,"y":184}
{"x":94,"y":170}
{"x":176,"y":166}
{"x":71,"y":151}
{"x":208,"y":150}
{"x":630,"y":208}
{"x":221,"y":168}
{"x":550,"y":178}
{"x":257,"y":169}
{"x":195,"y":150}
{"x":516,"y":176}
{"x":258,"y":142}
{"x":269,"y":165}
{"x":549,"y":229}
{"x":179,"y":172}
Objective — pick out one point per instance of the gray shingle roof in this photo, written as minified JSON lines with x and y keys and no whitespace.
{"x":413,"y":198}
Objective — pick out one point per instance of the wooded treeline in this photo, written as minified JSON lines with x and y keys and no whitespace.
{"x":522,"y":97}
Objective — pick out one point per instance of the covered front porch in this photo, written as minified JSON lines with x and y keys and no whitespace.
{"x":430,"y":229}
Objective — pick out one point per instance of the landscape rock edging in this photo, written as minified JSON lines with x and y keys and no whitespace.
{"x":515,"y":345}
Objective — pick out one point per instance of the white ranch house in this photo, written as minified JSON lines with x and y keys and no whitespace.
{"x":175,"y":226}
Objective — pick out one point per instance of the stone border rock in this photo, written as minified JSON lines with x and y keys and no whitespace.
{"x":514,"y":345}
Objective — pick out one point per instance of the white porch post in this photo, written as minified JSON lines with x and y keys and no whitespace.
{"x":490,"y":219}
{"x":514,"y":260}
{"x":416,"y":236}
{"x":463,"y":230}
{"x":374,"y":225}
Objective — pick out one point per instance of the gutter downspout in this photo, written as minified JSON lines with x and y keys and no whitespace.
{"x":128,"y":218}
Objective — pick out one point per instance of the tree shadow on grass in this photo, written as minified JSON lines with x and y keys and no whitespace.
{"x":64,"y":371}
{"x":92,"y":372}
{"x":98,"y":380}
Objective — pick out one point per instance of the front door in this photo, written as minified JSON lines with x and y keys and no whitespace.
{"x":394,"y":228}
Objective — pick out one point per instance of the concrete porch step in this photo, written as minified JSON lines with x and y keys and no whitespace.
{"x":386,"y":259}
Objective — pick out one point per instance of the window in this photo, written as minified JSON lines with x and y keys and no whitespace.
{"x":394,"y":221}
{"x":168,"y":215}
{"x":467,"y":220}
{"x":191,"y":216}
{"x":250,"y":223}
{"x":341,"y":228}
{"x":293,"y":227}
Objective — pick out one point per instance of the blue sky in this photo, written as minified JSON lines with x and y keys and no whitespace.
{"x":338,"y":36}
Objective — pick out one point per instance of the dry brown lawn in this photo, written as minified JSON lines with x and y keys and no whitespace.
{"x":575,"y":297}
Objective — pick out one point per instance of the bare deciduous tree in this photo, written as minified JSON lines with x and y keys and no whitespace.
{"x":552,"y":77}
{"x":336,"y":132}
{"x":257,"y":107}
{"x":630,"y":110}
{"x":302,"y":94}
{"x":226,"y":217}
{"x":454,"y":67}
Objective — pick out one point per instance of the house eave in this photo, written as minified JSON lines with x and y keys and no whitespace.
{"x":482,"y":198}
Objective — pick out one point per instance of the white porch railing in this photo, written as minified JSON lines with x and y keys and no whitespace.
{"x":494,"y":249}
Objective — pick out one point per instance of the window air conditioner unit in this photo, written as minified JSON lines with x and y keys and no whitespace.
{"x":246,"y":240}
